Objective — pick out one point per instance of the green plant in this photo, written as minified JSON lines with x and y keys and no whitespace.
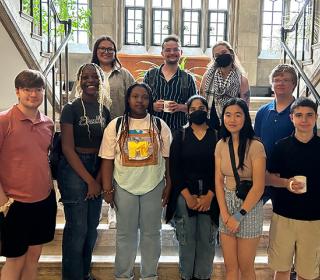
{"x":66,"y":9}
{"x":182,"y":65}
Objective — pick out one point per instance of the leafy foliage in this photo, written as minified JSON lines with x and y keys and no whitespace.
{"x":67,"y":9}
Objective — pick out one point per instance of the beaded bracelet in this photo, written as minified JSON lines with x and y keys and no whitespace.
{"x":108,"y":192}
{"x":5,"y":206}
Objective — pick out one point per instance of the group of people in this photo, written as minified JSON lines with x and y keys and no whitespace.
{"x":143,"y":146}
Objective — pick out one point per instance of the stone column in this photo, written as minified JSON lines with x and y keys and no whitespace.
{"x":247,"y":36}
{"x":104,"y":18}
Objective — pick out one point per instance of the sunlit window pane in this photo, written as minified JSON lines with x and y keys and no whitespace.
{"x":130,"y":14}
{"x":213,"y":4}
{"x":186,"y":4}
{"x":223,"y":5}
{"x":165,"y":15}
{"x":278,"y":5}
{"x":139,"y":3}
{"x":129,"y":2}
{"x":196,"y":4}
{"x":161,"y":24}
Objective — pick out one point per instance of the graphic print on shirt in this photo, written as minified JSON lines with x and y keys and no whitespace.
{"x":97,"y":120}
{"x":140,"y":149}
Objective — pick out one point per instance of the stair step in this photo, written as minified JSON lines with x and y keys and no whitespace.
{"x":107,"y":238}
{"x":257,"y":102}
{"x":102,"y":267}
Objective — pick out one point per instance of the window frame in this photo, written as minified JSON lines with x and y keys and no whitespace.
{"x":153,"y":24}
{"x":182,"y":37}
{"x":225,"y":32}
{"x":135,"y":8}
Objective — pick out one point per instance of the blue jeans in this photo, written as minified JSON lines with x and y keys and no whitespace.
{"x":136,"y":212}
{"x":82,"y":218}
{"x":196,"y":236}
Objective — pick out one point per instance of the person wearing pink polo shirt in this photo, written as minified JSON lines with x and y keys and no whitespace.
{"x":27,"y":199}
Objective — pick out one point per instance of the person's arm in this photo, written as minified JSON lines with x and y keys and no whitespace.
{"x":275,"y":165}
{"x":3,"y":196}
{"x":202,"y":85}
{"x":245,"y":90}
{"x":257,"y":124}
{"x":258,"y":178}
{"x":107,"y":166}
{"x":176,"y":172}
{"x":167,"y":189}
{"x":158,"y":104}
{"x":129,"y":80}
{"x":219,"y":187}
{"x":192,"y":90}
{"x":68,"y":149}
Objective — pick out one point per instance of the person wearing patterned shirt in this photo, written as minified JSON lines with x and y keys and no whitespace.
{"x":171,"y":86}
{"x":224,"y":79}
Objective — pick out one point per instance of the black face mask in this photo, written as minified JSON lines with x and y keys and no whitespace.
{"x":198,"y":117}
{"x":224,"y":60}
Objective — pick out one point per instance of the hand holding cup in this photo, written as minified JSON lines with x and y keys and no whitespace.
{"x":298,"y":184}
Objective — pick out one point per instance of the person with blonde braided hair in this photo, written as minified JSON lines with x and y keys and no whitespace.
{"x":82,"y":124}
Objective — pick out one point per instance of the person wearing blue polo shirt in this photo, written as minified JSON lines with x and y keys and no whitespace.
{"x":272,"y":121}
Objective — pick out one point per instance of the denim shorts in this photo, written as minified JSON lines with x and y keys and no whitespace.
{"x":251,"y":225}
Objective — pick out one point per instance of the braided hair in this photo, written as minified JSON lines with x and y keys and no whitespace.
{"x":102,"y":93}
{"x":124,"y":131}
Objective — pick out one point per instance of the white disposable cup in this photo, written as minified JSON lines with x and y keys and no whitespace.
{"x":166,"y":104}
{"x":302,"y":179}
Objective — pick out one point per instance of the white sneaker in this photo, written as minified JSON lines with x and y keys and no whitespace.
{"x":112,"y":218}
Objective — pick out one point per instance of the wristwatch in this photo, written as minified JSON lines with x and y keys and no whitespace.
{"x":243,"y":212}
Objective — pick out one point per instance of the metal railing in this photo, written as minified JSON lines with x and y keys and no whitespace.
{"x":303,"y":22}
{"x":54,"y":35}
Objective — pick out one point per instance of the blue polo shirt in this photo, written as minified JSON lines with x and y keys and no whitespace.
{"x":271,"y":126}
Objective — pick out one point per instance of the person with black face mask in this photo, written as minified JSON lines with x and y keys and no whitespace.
{"x":192,"y":206}
{"x":223,"y":80}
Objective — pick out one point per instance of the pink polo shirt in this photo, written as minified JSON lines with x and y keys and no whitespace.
{"x":24,"y":145}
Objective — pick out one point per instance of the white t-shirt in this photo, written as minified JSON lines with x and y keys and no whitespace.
{"x":141,"y":165}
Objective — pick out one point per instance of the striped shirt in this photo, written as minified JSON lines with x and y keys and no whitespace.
{"x":171,"y":90}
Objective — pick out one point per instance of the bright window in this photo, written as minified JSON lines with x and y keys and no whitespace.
{"x":134,"y":22}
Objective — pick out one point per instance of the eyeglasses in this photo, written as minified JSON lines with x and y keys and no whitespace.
{"x":31,"y":90}
{"x":284,"y":81}
{"x":107,"y":50}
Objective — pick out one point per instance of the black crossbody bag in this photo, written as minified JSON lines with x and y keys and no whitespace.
{"x":242,"y":187}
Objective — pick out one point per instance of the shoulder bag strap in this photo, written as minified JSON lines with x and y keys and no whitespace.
{"x":233,"y":161}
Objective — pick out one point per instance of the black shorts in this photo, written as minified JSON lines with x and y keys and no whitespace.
{"x":28,"y":224}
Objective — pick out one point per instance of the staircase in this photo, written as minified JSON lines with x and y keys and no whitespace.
{"x":103,"y":257}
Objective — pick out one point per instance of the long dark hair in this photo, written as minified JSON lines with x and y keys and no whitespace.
{"x":246,"y":134}
{"x":124,"y":132}
{"x":95,"y":59}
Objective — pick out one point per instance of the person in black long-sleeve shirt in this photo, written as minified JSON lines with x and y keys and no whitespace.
{"x":193,"y":205}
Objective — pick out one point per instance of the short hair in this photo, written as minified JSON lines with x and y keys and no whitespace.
{"x":30,"y":79}
{"x":171,"y":37}
{"x":303,"y":102}
{"x":197,"y":97}
{"x":284,"y":68}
